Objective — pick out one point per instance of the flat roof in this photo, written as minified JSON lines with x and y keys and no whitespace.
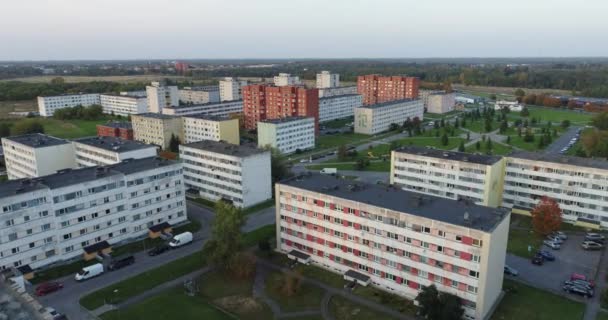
{"x":385,"y":104}
{"x":114,"y":144}
{"x":155,"y":115}
{"x":339,"y":96}
{"x":244,"y":150}
{"x":481,"y":218}
{"x":131,"y":166}
{"x":209,"y":117}
{"x":118,"y":124}
{"x":203,"y":104}
{"x":561,"y":159}
{"x":69,"y":177}
{"x":37,"y":140}
{"x":15,"y":187}
{"x":203,"y":88}
{"x":286,"y":119}
{"x":127,"y":96}
{"x":450,"y":155}
{"x":68,"y":94}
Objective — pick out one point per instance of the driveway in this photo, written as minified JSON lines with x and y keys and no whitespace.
{"x":562,"y":141}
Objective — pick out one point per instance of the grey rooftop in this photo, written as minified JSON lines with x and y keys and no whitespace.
{"x":286,"y":119}
{"x":387,"y":103}
{"x":449,"y":155}
{"x":114,"y":144}
{"x":561,"y":159}
{"x":37,"y":140}
{"x":118,"y":124}
{"x":155,"y":115}
{"x":339,"y":96}
{"x":225,"y":148}
{"x":389,"y":197}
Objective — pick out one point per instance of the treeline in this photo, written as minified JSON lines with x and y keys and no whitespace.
{"x":17,"y":90}
{"x":595,"y":141}
{"x":23,"y":126}
{"x":93,"y":112}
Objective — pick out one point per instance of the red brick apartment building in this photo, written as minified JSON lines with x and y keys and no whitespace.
{"x":378,"y":89}
{"x":119,"y":129}
{"x":266,"y":102}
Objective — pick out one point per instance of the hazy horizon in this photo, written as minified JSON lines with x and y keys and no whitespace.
{"x":60,"y":30}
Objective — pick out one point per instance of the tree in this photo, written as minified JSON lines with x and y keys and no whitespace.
{"x":463,"y":123}
{"x":393,"y":127}
{"x":546,"y":216}
{"x":493,"y":96}
{"x":435,"y":305}
{"x":279,"y":168}
{"x":565,"y":123}
{"x":445,"y":140}
{"x":361,"y":164}
{"x":26,"y":126}
{"x":174,"y":143}
{"x":524,"y":112}
{"x":461,"y":147}
{"x":292,"y":281}
{"x":394,"y":145}
{"x":226,"y":236}
{"x":468,"y":136}
{"x":595,"y":143}
{"x":242,"y":265}
{"x":489,"y":145}
{"x":508,"y":139}
{"x":478,"y":145}
{"x":436,"y":124}
{"x":600,"y":121}
{"x":520,"y":93}
{"x":5,"y":130}
{"x":442,"y":123}
{"x":488,"y":125}
{"x":342,"y":152}
{"x":504,"y":126}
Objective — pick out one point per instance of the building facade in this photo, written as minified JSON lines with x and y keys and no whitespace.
{"x":285,"y":79}
{"x":161,"y":96}
{"x":48,"y":104}
{"x":447,"y":174}
{"x":395,"y":240}
{"x":325,"y":79}
{"x":225,"y":108}
{"x":230,"y":89}
{"x":441,"y":102}
{"x":34,"y":155}
{"x":288,"y":135}
{"x":377,"y":89}
{"x":264,"y":102}
{"x":511,"y":105}
{"x":118,"y":129}
{"x":337,"y":91}
{"x":123,"y":105}
{"x":157,"y":128}
{"x":377,"y":118}
{"x":214,"y":128}
{"x":338,"y":107}
{"x":55,"y":218}
{"x":218,"y":170}
{"x":103,"y":151}
{"x":199,"y":95}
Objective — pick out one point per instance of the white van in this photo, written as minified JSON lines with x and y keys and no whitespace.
{"x":329,"y":171}
{"x":89,"y":272}
{"x":180,"y":239}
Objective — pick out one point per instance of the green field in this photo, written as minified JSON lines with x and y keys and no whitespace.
{"x":343,"y":309}
{"x":338,"y":123}
{"x":453,"y":142}
{"x":330,"y":141}
{"x":306,"y":297}
{"x":519,"y":240}
{"x":68,"y":129}
{"x":497,"y":149}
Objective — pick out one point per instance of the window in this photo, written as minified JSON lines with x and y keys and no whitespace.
{"x":46,"y":227}
{"x":12,"y":236}
{"x":477,"y":242}
{"x":459,"y":238}
{"x":473,"y":274}
{"x":476,"y":258}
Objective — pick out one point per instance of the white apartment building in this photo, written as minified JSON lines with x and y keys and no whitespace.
{"x":160,"y":96}
{"x":34,"y":155}
{"x":338,"y":107}
{"x":48,"y":104}
{"x":225,"y":108}
{"x":288,"y":135}
{"x":511,"y":105}
{"x":199,"y":95}
{"x":215,"y":128}
{"x":218,"y":170}
{"x":337,"y":91}
{"x":156,"y":128}
{"x":102,"y":151}
{"x":230,"y":89}
{"x":395,"y":240}
{"x":325,"y":79}
{"x":59,"y":217}
{"x":285,"y":79}
{"x":123,"y":105}
{"x":377,"y":118}
{"x":441,"y":102}
{"x":454,"y":175}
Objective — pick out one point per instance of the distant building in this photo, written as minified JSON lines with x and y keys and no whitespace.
{"x":225,"y":108}
{"x":214,"y":128}
{"x":511,"y":105}
{"x":285,"y":79}
{"x":337,"y":91}
{"x":466,"y":98}
{"x":199,"y":95}
{"x":424,"y":95}
{"x":181,"y":67}
{"x":119,"y":129}
{"x":338,"y":107}
{"x":377,"y":118}
{"x":157,"y":128}
{"x":441,"y":102}
{"x":230,"y":89}
{"x":34,"y":155}
{"x":48,"y":104}
{"x":123,"y":105}
{"x":378,"y":89}
{"x":102,"y":151}
{"x":325,"y":79}
{"x":160,"y":96}
{"x":221,"y":171}
{"x":287,"y":135}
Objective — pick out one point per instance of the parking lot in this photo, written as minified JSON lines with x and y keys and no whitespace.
{"x":551,"y":275}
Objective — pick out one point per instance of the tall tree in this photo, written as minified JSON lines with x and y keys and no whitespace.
{"x":279,"y":166}
{"x":461,"y":147}
{"x":26,"y":126}
{"x":174,"y":143}
{"x":445,"y":140}
{"x":546,"y":216}
{"x":5,"y":130}
{"x":435,"y":305}
{"x":600,"y":121}
{"x":226,"y":235}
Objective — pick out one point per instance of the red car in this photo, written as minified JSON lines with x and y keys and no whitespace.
{"x":578,"y":276}
{"x":48,"y":287}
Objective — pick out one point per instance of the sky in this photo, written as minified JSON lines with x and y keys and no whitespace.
{"x":225,"y":29}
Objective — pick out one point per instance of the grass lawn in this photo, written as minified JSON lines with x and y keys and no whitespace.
{"x":430,"y":133}
{"x":338,"y":123}
{"x":602,"y":315}
{"x":327,"y":277}
{"x":519,"y":240}
{"x":497,"y":149}
{"x":343,"y":309}
{"x":390,"y":300}
{"x":556,"y":116}
{"x":453,"y":142}
{"x":335,"y":140}
{"x":264,"y":233}
{"x":379,"y":166}
{"x":519,"y":142}
{"x":68,"y":129}
{"x":260,"y":206}
{"x":525,"y":302}
{"x":479,"y":125}
{"x":306,"y":297}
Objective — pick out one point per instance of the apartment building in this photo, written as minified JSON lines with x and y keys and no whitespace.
{"x":123,"y":105}
{"x":288,"y":135}
{"x":285,"y":79}
{"x":511,"y":105}
{"x":377,"y":118}
{"x":223,"y":171}
{"x":48,"y":104}
{"x":325,"y":79}
{"x":337,"y":91}
{"x":338,"y":107}
{"x":119,"y":129}
{"x":161,"y":96}
{"x":59,"y":217}
{"x":103,"y":151}
{"x":395,"y":240}
{"x":378,"y":89}
{"x":199,"y":95}
{"x":262,"y":102}
{"x":230,"y":89}
{"x":34,"y":155}
{"x":215,"y":128}
{"x":454,"y":175}
{"x":156,"y":128}
{"x":225,"y":108}
{"x":441,"y":102}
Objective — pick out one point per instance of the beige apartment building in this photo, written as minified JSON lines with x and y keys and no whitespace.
{"x":214,"y":128}
{"x":156,"y":128}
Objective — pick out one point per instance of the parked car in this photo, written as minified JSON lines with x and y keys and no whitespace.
{"x":89,"y":272}
{"x":560,"y":234}
{"x":591,"y":245}
{"x":578,"y":290}
{"x":538,"y":260}
{"x":48,"y":287}
{"x":555,"y":239}
{"x":579,"y":283}
{"x":54,"y":314}
{"x":510,"y":271}
{"x":546,"y":255}
{"x":595,"y":237}
{"x":158,"y":250}
{"x":578,"y":276}
{"x":551,"y":244}
{"x":121,"y":263}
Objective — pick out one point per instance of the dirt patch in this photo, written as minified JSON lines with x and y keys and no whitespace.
{"x":239,"y":304}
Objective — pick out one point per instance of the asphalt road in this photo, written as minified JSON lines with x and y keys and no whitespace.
{"x":66,"y":300}
{"x":562,"y":141}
